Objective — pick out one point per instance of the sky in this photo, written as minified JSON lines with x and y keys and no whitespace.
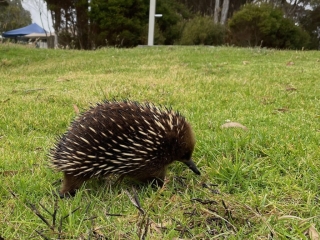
{"x":35,"y":7}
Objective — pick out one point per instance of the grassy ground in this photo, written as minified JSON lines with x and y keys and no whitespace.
{"x":257,"y":184}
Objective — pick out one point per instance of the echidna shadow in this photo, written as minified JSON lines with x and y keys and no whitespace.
{"x":126,"y":138}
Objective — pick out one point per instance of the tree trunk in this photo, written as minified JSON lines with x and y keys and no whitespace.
{"x":216,"y":11}
{"x":224,"y":12}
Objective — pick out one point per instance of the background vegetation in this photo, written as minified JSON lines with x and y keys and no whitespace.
{"x":83,"y":24}
{"x":262,"y":183}
{"x":265,"y":25}
{"x":13,"y":15}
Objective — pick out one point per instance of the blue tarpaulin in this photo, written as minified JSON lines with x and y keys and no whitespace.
{"x":32,"y":28}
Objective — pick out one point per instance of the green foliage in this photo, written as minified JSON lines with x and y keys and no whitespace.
{"x":125,"y":23}
{"x":13,"y":16}
{"x":202,"y":30}
{"x":265,"y":25}
{"x":118,"y":22}
{"x":311,"y":23}
{"x":173,"y":13}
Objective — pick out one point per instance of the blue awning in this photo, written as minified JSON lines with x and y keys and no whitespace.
{"x":32,"y":28}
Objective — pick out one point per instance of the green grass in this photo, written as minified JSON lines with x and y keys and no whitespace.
{"x":255,"y":184}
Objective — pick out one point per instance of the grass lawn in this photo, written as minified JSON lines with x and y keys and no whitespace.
{"x":262,"y":183}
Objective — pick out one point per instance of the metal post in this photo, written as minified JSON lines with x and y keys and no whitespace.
{"x":152,"y":12}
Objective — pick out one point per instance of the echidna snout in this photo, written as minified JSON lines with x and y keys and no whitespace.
{"x":192,"y":166}
{"x":124,"y":138}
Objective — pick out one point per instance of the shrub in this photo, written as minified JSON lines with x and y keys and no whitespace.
{"x":202,"y":30}
{"x":265,"y":25}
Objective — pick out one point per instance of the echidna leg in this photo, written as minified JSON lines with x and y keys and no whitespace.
{"x":70,"y":185}
{"x":119,"y":179}
{"x":157,"y":179}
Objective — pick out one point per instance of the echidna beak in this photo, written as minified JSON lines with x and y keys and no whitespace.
{"x":192,"y":166}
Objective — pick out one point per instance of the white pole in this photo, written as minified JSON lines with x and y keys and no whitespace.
{"x":152,"y":12}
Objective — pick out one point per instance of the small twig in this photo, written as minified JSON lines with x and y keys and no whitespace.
{"x":3,"y":101}
{"x":258,"y":214}
{"x":55,"y":210}
{"x":210,"y":187}
{"x":33,"y":90}
{"x":180,"y":180}
{"x":36,"y":211}
{"x":227,"y":209}
{"x":191,"y":214}
{"x":204,"y":201}
{"x":44,"y":208}
{"x":60,"y":229}
{"x":13,"y":194}
{"x":71,"y":213}
{"x":41,"y":234}
{"x":146,"y":228}
{"x":115,"y":215}
{"x":205,"y":185}
{"x":218,"y":216}
{"x":90,"y":218}
{"x":183,"y":228}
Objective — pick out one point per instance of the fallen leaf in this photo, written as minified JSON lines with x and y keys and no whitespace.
{"x":63,"y":80}
{"x":76,"y":109}
{"x":9,"y":173}
{"x":267,"y":100}
{"x":313,"y":233}
{"x":221,"y":64}
{"x":155,"y":227}
{"x":290,"y":63}
{"x":283,"y":110}
{"x":234,"y":124}
{"x":291,"y":89}
{"x":6,"y":100}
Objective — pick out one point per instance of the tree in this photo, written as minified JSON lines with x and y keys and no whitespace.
{"x":266,"y":26}
{"x":311,"y":22}
{"x":173,"y":17}
{"x":13,"y":16}
{"x":219,"y":10}
{"x":88,"y":24}
{"x":216,"y":11}
{"x":70,"y":22}
{"x":41,"y":8}
{"x":117,"y":22}
{"x":292,"y":9}
{"x":224,"y":11}
{"x":4,"y":3}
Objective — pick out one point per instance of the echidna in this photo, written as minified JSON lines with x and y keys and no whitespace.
{"x":126,"y":138}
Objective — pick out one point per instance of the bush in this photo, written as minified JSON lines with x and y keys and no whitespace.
{"x":117,"y":22}
{"x":265,"y":25}
{"x":167,"y":29}
{"x":202,"y":30}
